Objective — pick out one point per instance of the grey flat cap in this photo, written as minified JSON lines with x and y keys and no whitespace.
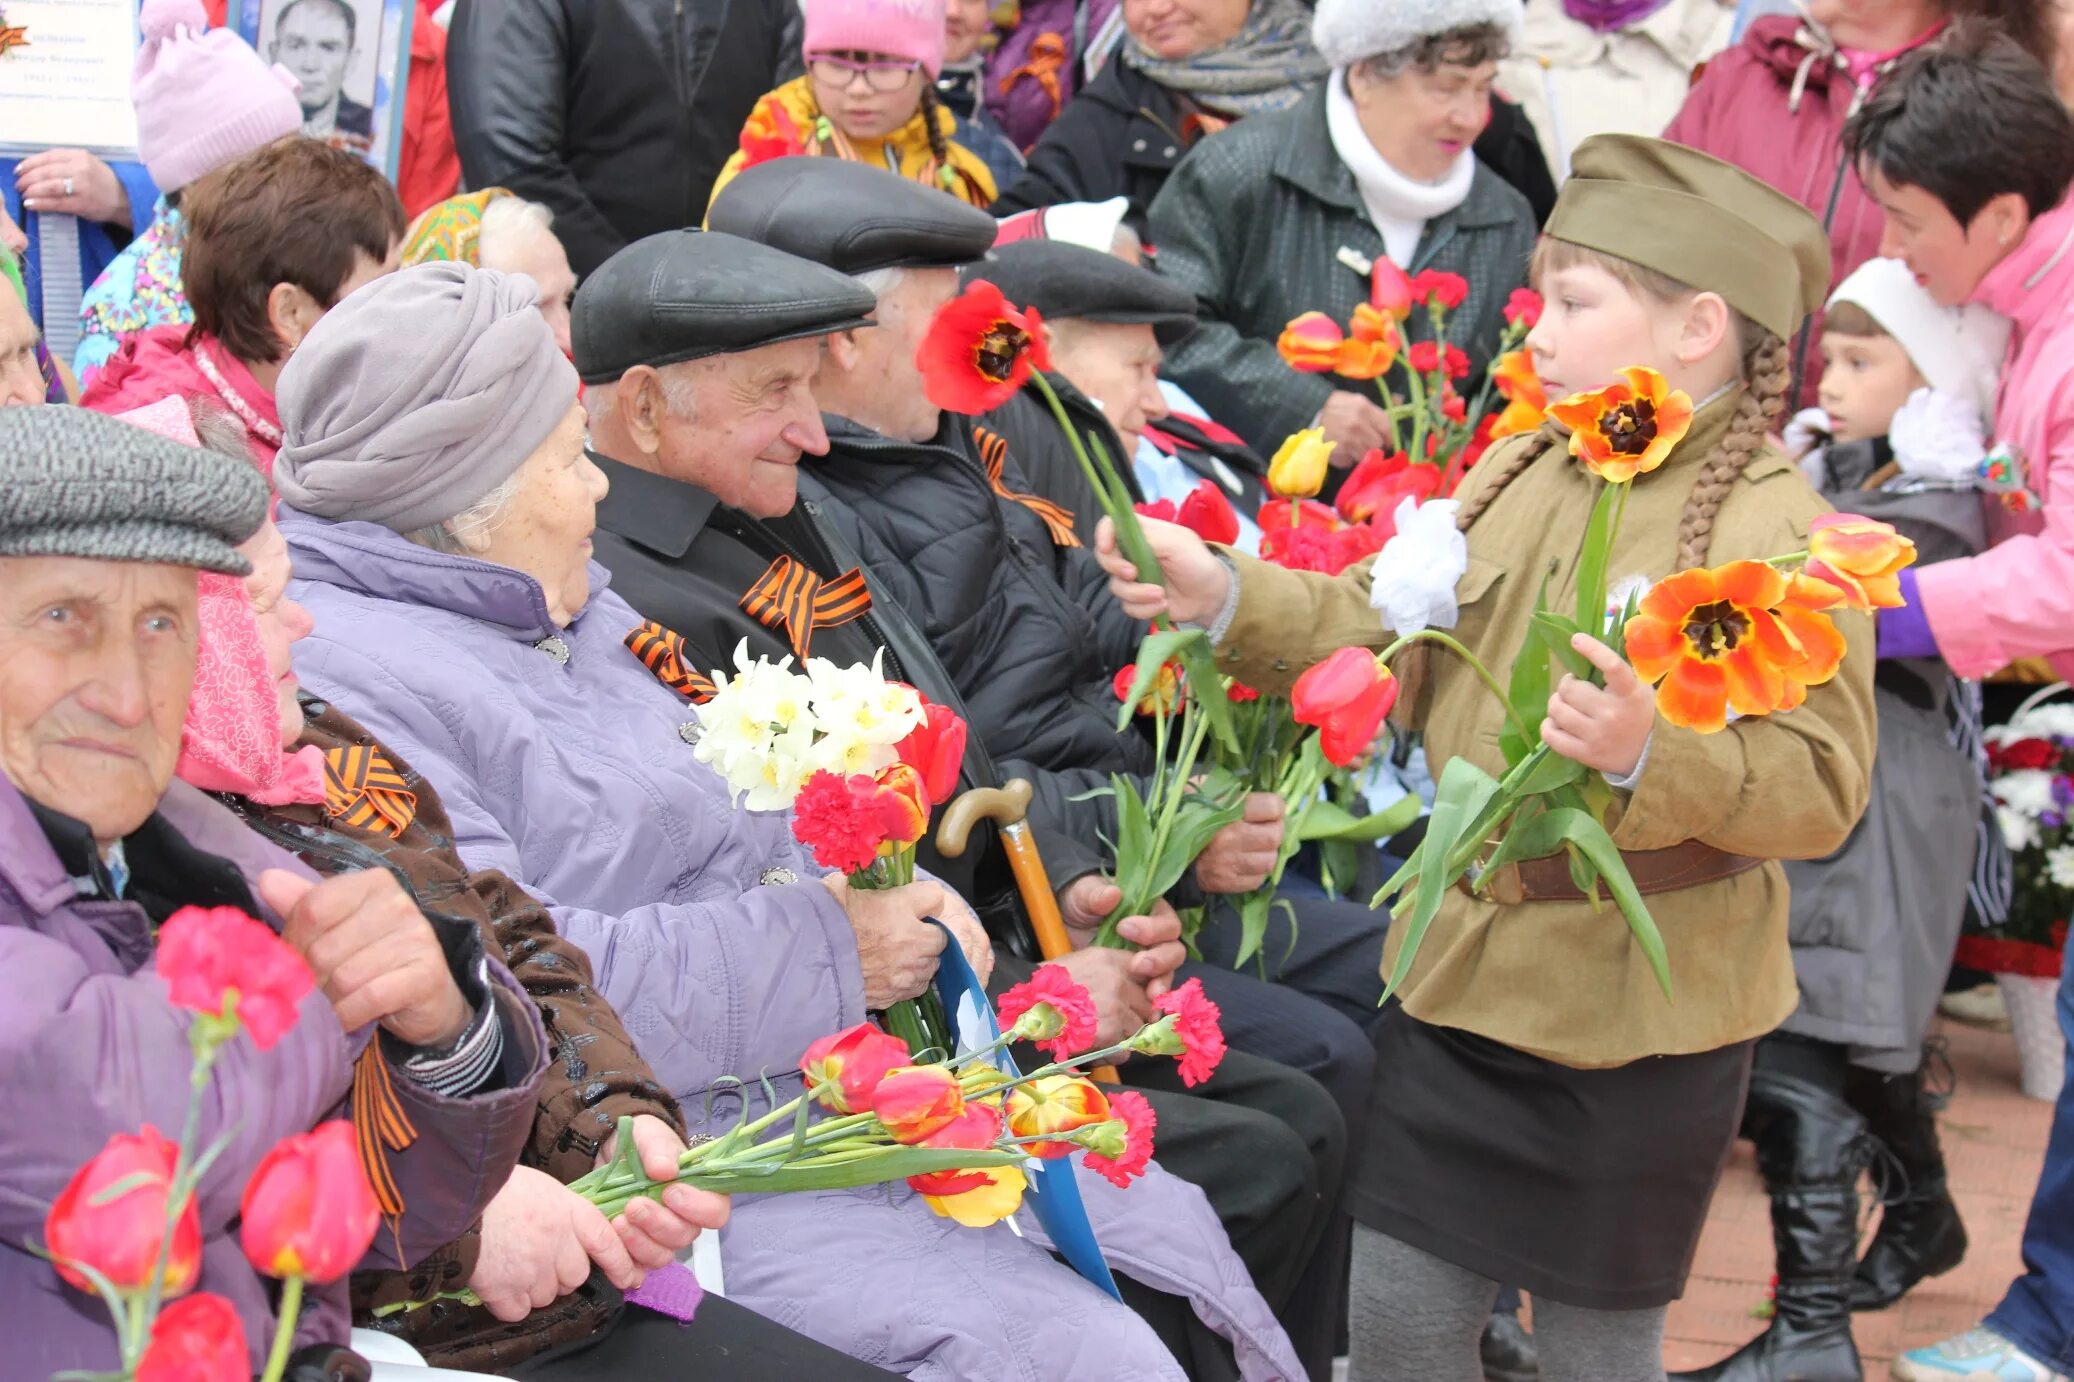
{"x":850,"y":216}
{"x":77,"y":484}
{"x":1064,"y":281}
{"x":686,"y":294}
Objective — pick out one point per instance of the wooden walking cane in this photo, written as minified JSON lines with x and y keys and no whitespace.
{"x":1008,"y":807}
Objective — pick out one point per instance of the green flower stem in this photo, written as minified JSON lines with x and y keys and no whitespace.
{"x":284,"y":1329}
{"x":206,"y":1035}
{"x":1476,"y":665}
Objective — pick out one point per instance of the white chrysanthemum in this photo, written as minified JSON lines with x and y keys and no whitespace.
{"x":2019,"y":831}
{"x":2026,"y":791}
{"x":2059,"y":862}
{"x":1412,"y":580}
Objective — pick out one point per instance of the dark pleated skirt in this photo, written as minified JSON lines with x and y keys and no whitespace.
{"x":1588,"y":1187}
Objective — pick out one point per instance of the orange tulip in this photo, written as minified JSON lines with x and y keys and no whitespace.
{"x":1861,"y":557}
{"x":917,"y":1100}
{"x":1710,"y":640}
{"x":1821,"y":642}
{"x":1054,"y":1104}
{"x":308,"y":1210}
{"x":1626,"y":429}
{"x":1311,"y":343}
{"x":904,"y":801}
{"x":1526,"y":402}
{"x":974,"y":1198}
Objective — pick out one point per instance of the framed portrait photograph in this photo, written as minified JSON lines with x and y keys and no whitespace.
{"x":65,"y":76}
{"x":352,"y":58}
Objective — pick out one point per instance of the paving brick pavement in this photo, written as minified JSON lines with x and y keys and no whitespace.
{"x":1994,"y":1142}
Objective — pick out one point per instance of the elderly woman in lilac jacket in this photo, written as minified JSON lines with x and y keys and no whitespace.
{"x":434,"y":426}
{"x":102,"y":527}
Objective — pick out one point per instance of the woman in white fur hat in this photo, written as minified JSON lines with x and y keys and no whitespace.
{"x":1288,"y":212}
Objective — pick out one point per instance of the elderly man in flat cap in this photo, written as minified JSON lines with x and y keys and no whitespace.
{"x":446,"y":506}
{"x":1001,"y":587}
{"x":103,"y":527}
{"x":699,"y":352}
{"x":1111,"y":323}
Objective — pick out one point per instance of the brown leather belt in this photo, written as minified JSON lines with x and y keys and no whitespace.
{"x":1654,"y":871}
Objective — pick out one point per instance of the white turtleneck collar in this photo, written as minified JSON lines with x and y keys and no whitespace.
{"x":1399,"y":206}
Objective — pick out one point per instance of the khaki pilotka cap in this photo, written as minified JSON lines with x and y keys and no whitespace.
{"x":1706,"y":223}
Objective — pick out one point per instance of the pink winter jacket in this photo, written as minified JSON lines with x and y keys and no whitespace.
{"x":2017,"y":598}
{"x":161,"y":363}
{"x":1775,"y":105}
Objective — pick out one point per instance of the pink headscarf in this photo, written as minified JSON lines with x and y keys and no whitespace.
{"x":232,"y":739}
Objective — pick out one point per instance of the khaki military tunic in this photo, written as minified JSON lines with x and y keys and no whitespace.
{"x":1559,"y":979}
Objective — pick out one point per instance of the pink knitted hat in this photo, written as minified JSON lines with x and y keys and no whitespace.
{"x":202,"y":98}
{"x":911,"y":29}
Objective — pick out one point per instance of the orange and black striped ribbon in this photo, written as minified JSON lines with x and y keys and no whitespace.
{"x":790,"y":596}
{"x":1058,"y":519}
{"x":364,"y":790}
{"x":380,"y":1127}
{"x":662,"y":652}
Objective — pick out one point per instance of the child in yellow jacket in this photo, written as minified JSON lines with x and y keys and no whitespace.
{"x":869,"y":95}
{"x":1542,"y":1114}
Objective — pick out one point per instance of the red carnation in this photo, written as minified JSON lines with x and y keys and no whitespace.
{"x":1139,"y":1121}
{"x":1440,"y":288}
{"x":1062,"y":1012}
{"x":1198,"y":1025}
{"x":1455,"y":408}
{"x":1456,"y":361}
{"x":1523,"y":308}
{"x":979,"y":351}
{"x":841,"y":819}
{"x":1298,"y":549}
{"x":1424,"y":357}
{"x":217,"y":957}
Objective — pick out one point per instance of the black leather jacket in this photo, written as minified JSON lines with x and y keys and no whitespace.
{"x":615,"y":113}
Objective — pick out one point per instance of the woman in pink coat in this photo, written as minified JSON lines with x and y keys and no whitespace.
{"x":1969,"y":153}
{"x":1775,"y":106}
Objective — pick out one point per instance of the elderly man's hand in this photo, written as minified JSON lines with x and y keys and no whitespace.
{"x":1356,"y":424}
{"x":373,"y":952}
{"x":656,"y":1231}
{"x":1197,"y":582}
{"x":1239,"y":857}
{"x":896,"y":948}
{"x":539,"y":1239}
{"x":1087,"y":899}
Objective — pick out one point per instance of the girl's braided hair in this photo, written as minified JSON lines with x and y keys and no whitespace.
{"x":1767,"y":375}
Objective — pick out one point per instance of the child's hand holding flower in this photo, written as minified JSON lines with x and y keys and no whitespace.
{"x":1602,"y":727}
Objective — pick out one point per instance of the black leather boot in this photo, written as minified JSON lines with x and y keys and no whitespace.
{"x":1508,"y":1351}
{"x":1811,"y":1147}
{"x":1920,"y":1234}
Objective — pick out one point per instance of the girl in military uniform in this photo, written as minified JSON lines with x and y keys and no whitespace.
{"x":1542,"y":1115}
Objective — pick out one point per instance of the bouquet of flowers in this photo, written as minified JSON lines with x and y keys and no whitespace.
{"x":1746,"y":638}
{"x":2031,"y":774}
{"x":126,"y":1229}
{"x":1433,"y":427}
{"x":858,"y":760}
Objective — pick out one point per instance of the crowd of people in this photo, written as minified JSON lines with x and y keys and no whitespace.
{"x":370,"y":534}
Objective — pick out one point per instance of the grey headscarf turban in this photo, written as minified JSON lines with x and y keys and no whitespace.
{"x":77,"y":484}
{"x":418,"y":395}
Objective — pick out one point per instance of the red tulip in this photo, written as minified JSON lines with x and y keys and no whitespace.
{"x":217,"y":957}
{"x":1161,"y":509}
{"x":200,"y":1339}
{"x":1347,"y":696}
{"x":1209,"y":514}
{"x":842,"y":1070}
{"x":120,"y":1237}
{"x":979,"y":351}
{"x":936,"y":750}
{"x":1390,"y":290}
{"x":1374,"y":488}
{"x":976,"y":1129}
{"x":308,"y":1210}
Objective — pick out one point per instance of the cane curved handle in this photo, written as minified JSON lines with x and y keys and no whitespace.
{"x":1002,"y":805}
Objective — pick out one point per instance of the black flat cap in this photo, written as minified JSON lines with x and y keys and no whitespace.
{"x":1062,"y":280}
{"x":850,"y":216}
{"x":687,"y":294}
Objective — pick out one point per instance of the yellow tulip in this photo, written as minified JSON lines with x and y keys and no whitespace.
{"x":1298,"y":469}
